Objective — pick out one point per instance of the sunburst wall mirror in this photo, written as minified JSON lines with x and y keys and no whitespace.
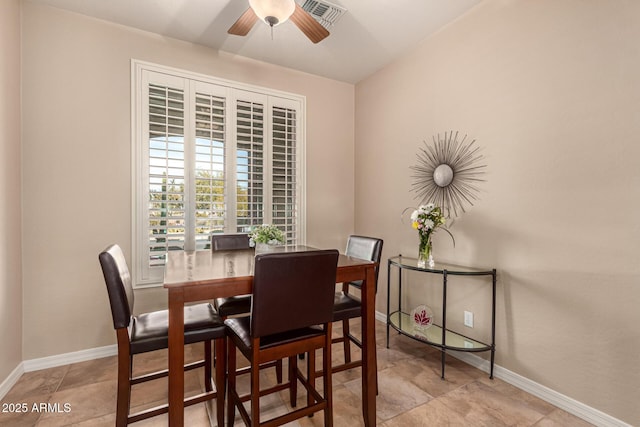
{"x":448,"y":173}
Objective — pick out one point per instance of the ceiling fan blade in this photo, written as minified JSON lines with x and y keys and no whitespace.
{"x":244,"y":24}
{"x":309,"y":26}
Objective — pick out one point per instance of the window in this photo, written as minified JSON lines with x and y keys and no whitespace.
{"x":210,"y":156}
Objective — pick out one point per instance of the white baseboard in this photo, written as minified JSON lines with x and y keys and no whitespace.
{"x":563,"y":402}
{"x":11,"y":380}
{"x":68,"y":358}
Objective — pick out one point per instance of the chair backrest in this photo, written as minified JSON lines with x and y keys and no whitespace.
{"x":118,"y":280}
{"x":292,"y":290}
{"x":229,"y":242}
{"x":365,"y":248}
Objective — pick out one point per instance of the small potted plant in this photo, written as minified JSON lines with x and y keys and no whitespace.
{"x":265,"y":237}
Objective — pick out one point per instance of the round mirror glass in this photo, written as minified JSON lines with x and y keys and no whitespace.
{"x":443,"y":175}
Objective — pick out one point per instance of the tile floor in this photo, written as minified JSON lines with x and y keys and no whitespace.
{"x":411,"y":393}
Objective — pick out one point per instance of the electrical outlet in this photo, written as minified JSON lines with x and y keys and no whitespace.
{"x":468,"y":319}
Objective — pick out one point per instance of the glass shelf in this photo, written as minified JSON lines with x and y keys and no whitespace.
{"x":439,"y":267}
{"x":433,"y":335}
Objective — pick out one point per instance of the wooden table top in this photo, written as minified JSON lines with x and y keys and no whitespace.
{"x":192,"y":268}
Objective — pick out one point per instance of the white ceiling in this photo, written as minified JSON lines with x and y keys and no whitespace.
{"x":371,"y":34}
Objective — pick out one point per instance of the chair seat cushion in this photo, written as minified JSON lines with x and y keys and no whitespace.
{"x":233,"y":306}
{"x":346,"y":306}
{"x":149,"y":331}
{"x":239,"y":332}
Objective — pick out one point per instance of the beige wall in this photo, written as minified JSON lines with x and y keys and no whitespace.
{"x":551,"y":90}
{"x":10,"y":219}
{"x":77,"y":161}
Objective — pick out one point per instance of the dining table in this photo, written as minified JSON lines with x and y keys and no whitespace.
{"x":191,"y":276}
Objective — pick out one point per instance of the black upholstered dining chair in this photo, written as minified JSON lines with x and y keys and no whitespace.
{"x":238,"y":305}
{"x":149,"y":332}
{"x":292,"y":309}
{"x":235,"y":305}
{"x":346,"y":304}
{"x":229,"y":242}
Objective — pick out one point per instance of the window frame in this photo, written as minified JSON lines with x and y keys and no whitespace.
{"x":142,"y":274}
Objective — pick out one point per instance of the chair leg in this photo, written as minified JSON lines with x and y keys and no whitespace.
{"x":231,"y":384}
{"x":346,"y":342}
{"x":293,"y":380}
{"x":125,"y":372}
{"x":279,"y":371}
{"x":311,"y":375}
{"x":207,"y":366}
{"x":124,"y":390}
{"x":255,"y":389}
{"x":221,"y":368}
{"x":326,"y":379}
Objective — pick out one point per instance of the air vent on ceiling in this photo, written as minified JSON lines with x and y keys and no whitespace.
{"x":325,"y":13}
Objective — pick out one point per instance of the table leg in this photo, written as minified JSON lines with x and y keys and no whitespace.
{"x":369,"y":362}
{"x":176,"y":357}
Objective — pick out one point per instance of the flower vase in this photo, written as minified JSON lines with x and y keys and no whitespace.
{"x":267,"y":247}
{"x":425,"y":255}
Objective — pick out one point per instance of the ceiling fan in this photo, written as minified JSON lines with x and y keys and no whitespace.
{"x":275,"y":12}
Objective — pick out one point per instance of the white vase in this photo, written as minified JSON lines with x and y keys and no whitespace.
{"x":266,"y":247}
{"x":425,"y":254}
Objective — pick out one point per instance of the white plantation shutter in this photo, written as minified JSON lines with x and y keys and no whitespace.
{"x":210,"y":156}
{"x":166,"y":172}
{"x":284,"y":200}
{"x":209,"y":167}
{"x":250,"y":167}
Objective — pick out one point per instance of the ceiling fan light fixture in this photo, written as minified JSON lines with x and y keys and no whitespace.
{"x":273,"y":12}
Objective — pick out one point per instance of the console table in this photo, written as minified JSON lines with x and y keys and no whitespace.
{"x":438,"y":335}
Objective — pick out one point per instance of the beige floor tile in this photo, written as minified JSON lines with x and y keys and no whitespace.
{"x":347,"y":410}
{"x":459,"y":365}
{"x":20,"y":412}
{"x":432,"y":413}
{"x":271,"y":406}
{"x":84,"y":402}
{"x":37,"y":383}
{"x":389,"y":357}
{"x":394,"y":394}
{"x":425,"y":375}
{"x":559,"y":418}
{"x":154,"y":393}
{"x":103,"y":369}
{"x":481,"y":404}
{"x":108,"y":420}
{"x":194,"y":416}
{"x":525,"y":398}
